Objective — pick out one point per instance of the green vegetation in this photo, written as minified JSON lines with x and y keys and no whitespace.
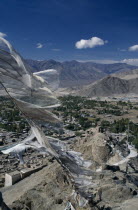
{"x":76,"y":114}
{"x":10,"y":117}
{"x":116,"y":112}
{"x":73,"y":113}
{"x":120,"y":126}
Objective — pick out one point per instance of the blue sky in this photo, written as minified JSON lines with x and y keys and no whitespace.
{"x":49,"y":29}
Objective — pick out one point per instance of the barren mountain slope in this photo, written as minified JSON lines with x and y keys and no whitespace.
{"x":74,"y":73}
{"x":127,"y":74}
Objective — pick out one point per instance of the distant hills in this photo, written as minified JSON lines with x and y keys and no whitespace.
{"x":111,"y":85}
{"x":132,"y":74}
{"x":74,"y":73}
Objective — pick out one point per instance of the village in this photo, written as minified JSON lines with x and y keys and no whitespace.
{"x":79,"y":114}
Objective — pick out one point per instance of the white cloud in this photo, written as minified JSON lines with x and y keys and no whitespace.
{"x":133,"y":48}
{"x":2,"y":35}
{"x":90,"y":43}
{"x":39,"y":45}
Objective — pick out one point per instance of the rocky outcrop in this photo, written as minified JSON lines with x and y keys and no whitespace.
{"x":100,"y":149}
{"x":52,"y":189}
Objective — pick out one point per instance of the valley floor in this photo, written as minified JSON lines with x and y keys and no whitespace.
{"x":99,"y":131}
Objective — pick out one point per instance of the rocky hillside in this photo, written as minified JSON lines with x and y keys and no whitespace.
{"x":114,"y":179}
{"x":133,"y":74}
{"x":110,"y":86}
{"x":74,"y":73}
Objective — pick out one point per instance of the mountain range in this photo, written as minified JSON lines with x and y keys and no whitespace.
{"x":74,"y":73}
